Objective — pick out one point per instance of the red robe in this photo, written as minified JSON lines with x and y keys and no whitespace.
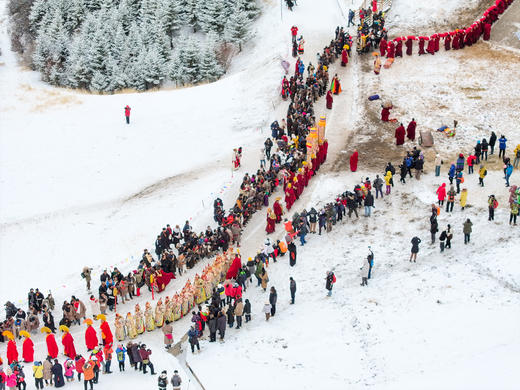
{"x":374,"y":6}
{"x":409,"y":46}
{"x":354,"y":161}
{"x":52,"y":347}
{"x":447,"y":42}
{"x":344,"y":57}
{"x":91,"y":339}
{"x":421,"y":46}
{"x":456,"y":44}
{"x":399,"y":48}
{"x":106,"y":333}
{"x":68,"y":345}
{"x":271,"y":225}
{"x":382,"y":47}
{"x":289,"y":198}
{"x":385,"y":114}
{"x":163,"y":279}
{"x":277,"y":209}
{"x":329,"y":99}
{"x":391,"y":50}
{"x":487,"y":31}
{"x":234,"y":268}
{"x":301,"y":182}
{"x":325,"y":150}
{"x":431,"y":46}
{"x":28,"y":350}
{"x":12,"y":352}
{"x":410,"y":130}
{"x":399,"y":135}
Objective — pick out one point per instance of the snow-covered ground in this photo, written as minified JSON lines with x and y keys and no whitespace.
{"x":81,"y":187}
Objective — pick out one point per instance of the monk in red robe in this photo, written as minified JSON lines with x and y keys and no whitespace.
{"x":234,"y":268}
{"x":278,"y":211}
{"x":271,"y":222}
{"x":410,"y":130}
{"x":385,"y":114}
{"x":354,"y":161}
{"x":409,"y":46}
{"x":106,"y":333}
{"x":12,"y":352}
{"x":391,"y":50}
{"x":344,"y":57}
{"x":28,"y":350}
{"x":447,"y":42}
{"x":455,"y":44}
{"x":290,"y":198}
{"x":91,"y":339}
{"x":382,"y":47}
{"x":487,"y":31}
{"x":399,"y":47}
{"x":421,"y":45}
{"x":431,"y":45}
{"x":399,"y":135}
{"x":68,"y":345}
{"x":329,"y":99}
{"x":52,"y":347}
{"x":163,"y":278}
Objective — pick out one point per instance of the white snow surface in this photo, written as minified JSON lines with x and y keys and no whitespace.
{"x":80,"y":187}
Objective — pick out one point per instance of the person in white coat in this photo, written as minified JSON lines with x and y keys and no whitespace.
{"x":365,"y":269}
{"x":94,"y":306}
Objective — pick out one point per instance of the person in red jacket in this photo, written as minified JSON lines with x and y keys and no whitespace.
{"x":91,"y":339}
{"x":127,"y":114}
{"x":385,"y":114}
{"x":80,"y":362}
{"x":399,"y":135}
{"x":410,"y":130}
{"x":294,"y":33}
{"x":441,"y":193}
{"x":354,"y":161}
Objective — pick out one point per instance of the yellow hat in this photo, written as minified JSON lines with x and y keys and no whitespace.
{"x":63,"y":328}
{"x":88,"y":321}
{"x":24,"y":333}
{"x":45,"y":330}
{"x":101,"y":317}
{"x":8,"y":334}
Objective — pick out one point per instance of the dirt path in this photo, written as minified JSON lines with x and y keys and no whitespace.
{"x":505,"y":30}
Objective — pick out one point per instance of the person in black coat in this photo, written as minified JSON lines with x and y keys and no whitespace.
{"x":212,"y":325}
{"x":221,"y":325}
{"x":292,"y":254}
{"x":273,"y":297}
{"x":292,"y":288}
{"x":247,"y":310}
{"x":415,"y":249}
{"x":492,"y":142}
{"x":434,"y":227}
{"x":57,"y":373}
{"x":134,"y":350}
{"x":230,"y":316}
{"x":369,"y":203}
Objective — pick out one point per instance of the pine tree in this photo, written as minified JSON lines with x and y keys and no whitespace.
{"x":212,"y":16}
{"x":237,"y":28}
{"x":250,"y":7}
{"x":77,"y":71}
{"x":155,"y":68}
{"x":210,"y":69}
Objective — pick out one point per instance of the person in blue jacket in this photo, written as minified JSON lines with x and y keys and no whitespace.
{"x":502,"y":146}
{"x":460,"y":163}
{"x":451,"y":173}
{"x":509,"y":171}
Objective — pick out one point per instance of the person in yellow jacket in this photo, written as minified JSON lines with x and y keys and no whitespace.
{"x":482,"y":172}
{"x":38,"y":374}
{"x":516,"y":155}
{"x":463,"y":198}
{"x":388,"y":178}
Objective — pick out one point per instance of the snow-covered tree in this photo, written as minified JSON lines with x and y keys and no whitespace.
{"x":237,"y":28}
{"x":210,"y":69}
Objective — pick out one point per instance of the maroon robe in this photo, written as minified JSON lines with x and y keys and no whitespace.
{"x":354,"y":161}
{"x":409,"y":46}
{"x":385,"y":114}
{"x":447,"y":42}
{"x":399,"y":135}
{"x":329,"y":99}
{"x":487,"y":31}
{"x":382,"y":47}
{"x":410,"y":130}
{"x":277,"y":209}
{"x":391,"y":50}
{"x":421,"y":46}
{"x":399,"y":48}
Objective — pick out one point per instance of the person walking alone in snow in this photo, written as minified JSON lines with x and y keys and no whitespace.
{"x":365,"y":269}
{"x":415,"y":249}
{"x":292,"y":288}
{"x":273,"y":297}
{"x":467,"y":230}
{"x":329,"y":282}
{"x":127,"y":114}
